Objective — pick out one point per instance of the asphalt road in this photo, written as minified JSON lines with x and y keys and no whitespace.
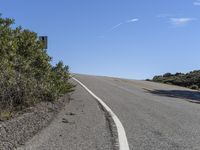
{"x":81,"y":125}
{"x":155,"y":116}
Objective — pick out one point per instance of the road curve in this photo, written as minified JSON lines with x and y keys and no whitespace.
{"x":155,"y":116}
{"x":122,"y":143}
{"x":80,"y":125}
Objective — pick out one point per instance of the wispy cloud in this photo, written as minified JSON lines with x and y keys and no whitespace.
{"x":116,"y":26}
{"x":176,"y":21}
{"x":196,"y":3}
{"x":181,"y":21}
{"x":125,"y":22}
{"x":132,"y":20}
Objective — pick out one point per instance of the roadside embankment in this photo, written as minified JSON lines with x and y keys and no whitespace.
{"x":24,"y":126}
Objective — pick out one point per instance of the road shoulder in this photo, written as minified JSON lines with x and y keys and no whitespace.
{"x":80,"y":125}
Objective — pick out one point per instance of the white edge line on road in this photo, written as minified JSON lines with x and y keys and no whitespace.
{"x":123,"y":142}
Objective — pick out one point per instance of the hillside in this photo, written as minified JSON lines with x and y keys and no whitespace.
{"x":189,"y":80}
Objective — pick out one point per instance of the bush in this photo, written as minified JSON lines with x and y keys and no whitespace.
{"x":194,"y":87}
{"x":191,"y":79}
{"x":167,"y":75}
{"x":26,"y":74}
{"x":157,"y":78}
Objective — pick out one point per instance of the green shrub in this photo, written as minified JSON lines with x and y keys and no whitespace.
{"x":194,"y":87}
{"x":167,"y":75}
{"x":26,"y":74}
{"x":191,"y":79}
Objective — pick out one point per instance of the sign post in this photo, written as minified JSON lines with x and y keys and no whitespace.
{"x":44,"y":39}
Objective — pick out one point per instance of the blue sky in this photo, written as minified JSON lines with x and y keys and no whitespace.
{"x":125,"y":38}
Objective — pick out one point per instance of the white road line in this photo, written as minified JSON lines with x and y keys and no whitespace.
{"x":123,"y":142}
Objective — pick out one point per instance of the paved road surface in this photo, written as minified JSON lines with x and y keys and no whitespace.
{"x":155,"y":116}
{"x":81,"y":125}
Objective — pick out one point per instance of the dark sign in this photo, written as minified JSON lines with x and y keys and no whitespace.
{"x":44,"y":39}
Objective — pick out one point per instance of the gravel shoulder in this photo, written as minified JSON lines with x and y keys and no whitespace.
{"x":81,"y":125}
{"x":24,"y":125}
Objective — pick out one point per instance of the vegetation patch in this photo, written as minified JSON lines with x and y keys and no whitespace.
{"x":189,"y":80}
{"x":26,"y":74}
